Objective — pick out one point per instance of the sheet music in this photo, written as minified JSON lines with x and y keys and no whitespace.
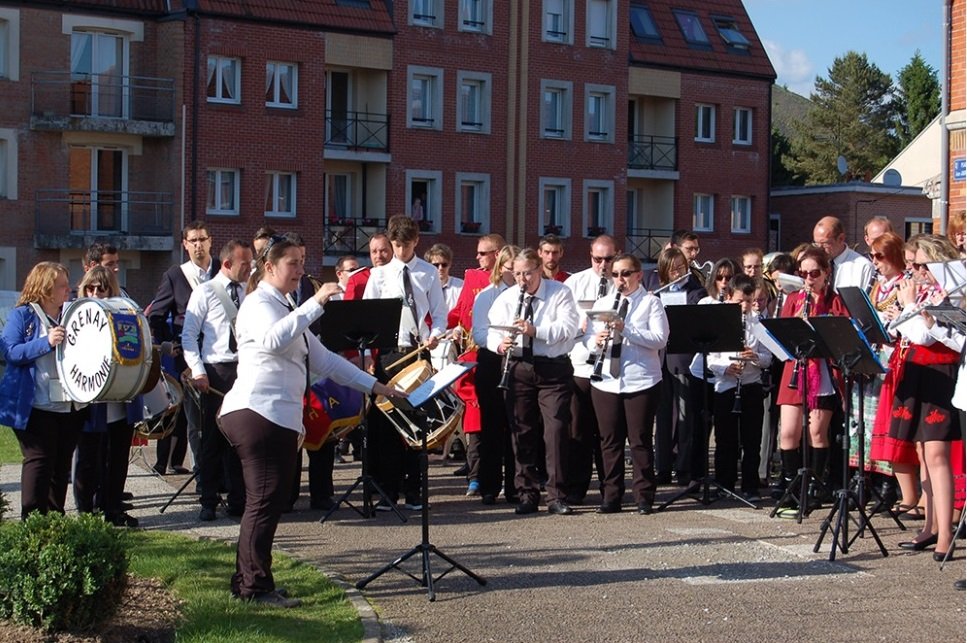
{"x":762,"y":334}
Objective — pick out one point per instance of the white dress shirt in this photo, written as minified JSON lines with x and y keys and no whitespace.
{"x":850,"y":268}
{"x":555,"y":319}
{"x":481,"y":311}
{"x":585,"y":286}
{"x":202,"y":274}
{"x":644,"y":336}
{"x":272,"y":345}
{"x":451,"y":292}
{"x":386,"y":282}
{"x":206,"y":316}
{"x":718,"y":363}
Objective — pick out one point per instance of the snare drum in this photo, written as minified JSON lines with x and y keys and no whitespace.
{"x":443,"y":412}
{"x":106,"y":352}
{"x":161,"y":405}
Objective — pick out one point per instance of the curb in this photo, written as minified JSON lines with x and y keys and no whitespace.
{"x":372,"y":633}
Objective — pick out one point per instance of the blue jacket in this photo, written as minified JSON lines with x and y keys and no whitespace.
{"x":22,"y":345}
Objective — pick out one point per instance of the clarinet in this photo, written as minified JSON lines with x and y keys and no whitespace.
{"x":737,"y":405}
{"x":597,"y":374}
{"x":504,"y":384}
{"x":602,"y":287}
{"x":804,"y":313}
{"x":873,"y":279}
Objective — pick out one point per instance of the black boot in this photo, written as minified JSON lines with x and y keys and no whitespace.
{"x":818,"y":492}
{"x":886,"y":487}
{"x":790,"y":462}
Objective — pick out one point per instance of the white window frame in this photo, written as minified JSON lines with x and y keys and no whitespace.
{"x":476,"y":16}
{"x":431,"y":115}
{"x":703,"y":220}
{"x":237,"y":68}
{"x":433,"y":205}
{"x":704,"y":120}
{"x":219,"y":207}
{"x":741,"y":113}
{"x":425,"y":13}
{"x":564,"y":34}
{"x":350,"y":212}
{"x":562,"y":217}
{"x":741,"y":207}
{"x":603,"y":192}
{"x":4,"y":47}
{"x":917,"y":225}
{"x":481,"y":184}
{"x":276,"y":85}
{"x":274,"y":181}
{"x":561,"y":130}
{"x":484,"y":83}
{"x":602,"y":38}
{"x":10,"y":44}
{"x":8,"y":164}
{"x":599,"y":129}
{"x":4,"y":162}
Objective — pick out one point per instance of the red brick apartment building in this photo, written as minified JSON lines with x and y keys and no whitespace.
{"x":121,"y":120}
{"x":955,"y":119}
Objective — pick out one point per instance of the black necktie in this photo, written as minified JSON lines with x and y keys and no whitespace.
{"x":615,"y":367}
{"x":602,"y":287}
{"x":233,"y":293}
{"x":528,"y":349}
{"x":410,"y":301}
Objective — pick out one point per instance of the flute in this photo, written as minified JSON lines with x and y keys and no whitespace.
{"x":672,"y":283}
{"x":504,"y":384}
{"x":919,"y":308}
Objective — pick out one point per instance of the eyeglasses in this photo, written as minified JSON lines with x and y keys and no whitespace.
{"x":607,"y":259}
{"x":723,"y":277}
{"x":622,"y":273}
{"x":877,"y":256}
{"x":814,"y":273}
{"x":197,"y":240}
{"x":507,"y":268}
{"x":481,"y":253}
{"x":441,"y":264}
{"x":824,"y":244}
{"x":95,"y":288}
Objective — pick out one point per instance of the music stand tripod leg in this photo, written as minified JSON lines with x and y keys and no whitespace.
{"x":177,"y":493}
{"x":805,"y":474}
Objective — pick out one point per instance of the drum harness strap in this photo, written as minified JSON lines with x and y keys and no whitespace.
{"x":231,"y":310}
{"x":56,"y":389}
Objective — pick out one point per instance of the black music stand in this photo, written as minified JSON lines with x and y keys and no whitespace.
{"x":361,"y":324}
{"x":418,"y":399}
{"x":856,"y":360}
{"x":704,"y":329}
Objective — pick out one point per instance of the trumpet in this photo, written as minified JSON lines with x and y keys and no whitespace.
{"x":804,"y":313}
{"x":598,"y":372}
{"x":504,"y":384}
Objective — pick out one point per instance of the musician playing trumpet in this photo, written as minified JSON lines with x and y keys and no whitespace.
{"x":737,"y":403}
{"x":625,"y":399}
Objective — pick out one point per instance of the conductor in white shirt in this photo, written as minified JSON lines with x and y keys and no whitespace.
{"x":261,"y":416}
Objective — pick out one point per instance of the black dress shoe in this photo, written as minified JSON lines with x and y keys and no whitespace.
{"x":462,"y":471}
{"x":609,"y":508}
{"x":207,"y":514}
{"x":127,"y":495}
{"x":644,"y":508}
{"x":939,"y":556}
{"x":324,"y":504}
{"x":919,"y":545}
{"x":235,"y":511}
{"x":488,"y":499}
{"x":512,"y":499}
{"x":559,"y":508}
{"x":181,"y":471}
{"x":526,"y":507}
{"x":126,"y":506}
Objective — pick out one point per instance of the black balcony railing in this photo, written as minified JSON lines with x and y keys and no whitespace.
{"x":350,"y":235}
{"x":653,"y":152}
{"x":357,"y":130}
{"x":62,"y":94}
{"x":79,"y":212}
{"x":647,"y":242}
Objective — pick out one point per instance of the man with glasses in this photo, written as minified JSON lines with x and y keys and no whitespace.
{"x":584,"y":443}
{"x":850,"y":268}
{"x":166,"y":317}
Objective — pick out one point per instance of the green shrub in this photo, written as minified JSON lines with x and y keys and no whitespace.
{"x":60,"y":573}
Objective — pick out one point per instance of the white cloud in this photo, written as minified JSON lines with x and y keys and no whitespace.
{"x":793,"y":67}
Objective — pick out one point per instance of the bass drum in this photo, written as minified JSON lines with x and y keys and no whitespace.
{"x":161,"y":406}
{"x":106,"y":354}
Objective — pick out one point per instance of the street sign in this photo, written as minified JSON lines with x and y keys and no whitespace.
{"x":960,"y":168}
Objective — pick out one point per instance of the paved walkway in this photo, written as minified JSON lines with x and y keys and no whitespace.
{"x":692,"y":573}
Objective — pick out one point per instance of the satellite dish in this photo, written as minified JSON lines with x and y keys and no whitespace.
{"x":892,"y":178}
{"x":841,"y":164}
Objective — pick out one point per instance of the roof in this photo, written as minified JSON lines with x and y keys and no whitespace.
{"x":851,"y":186}
{"x":674,"y":52}
{"x":332,"y":14}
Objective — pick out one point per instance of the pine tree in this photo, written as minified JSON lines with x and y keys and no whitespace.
{"x":918,"y":98}
{"x":782,"y":172}
{"x":852,"y":116}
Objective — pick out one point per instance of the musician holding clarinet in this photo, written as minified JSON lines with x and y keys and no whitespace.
{"x":625,"y":394}
{"x":538,"y":374}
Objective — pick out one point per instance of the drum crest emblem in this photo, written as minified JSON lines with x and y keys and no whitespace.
{"x":126,"y":329}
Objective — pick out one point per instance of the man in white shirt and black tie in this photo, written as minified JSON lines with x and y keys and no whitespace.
{"x":211,"y":352}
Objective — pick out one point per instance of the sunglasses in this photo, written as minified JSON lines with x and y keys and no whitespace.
{"x":96,"y":288}
{"x":622,"y":273}
{"x":723,"y":277}
{"x":607,"y":259}
{"x":877,"y":256}
{"x":481,"y":253}
{"x":919,"y":266}
{"x":441,"y":264}
{"x":814,"y":273}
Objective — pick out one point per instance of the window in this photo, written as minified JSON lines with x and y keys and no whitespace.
{"x":361,"y":4}
{"x":741,"y":214}
{"x":424,"y":199}
{"x":556,"y":109}
{"x":99,"y":83}
{"x":279,"y":194}
{"x":476,"y":15}
{"x":3,"y":168}
{"x":705,"y":123}
{"x":4,"y":46}
{"x":599,"y":117}
{"x":473,"y":203}
{"x":426,"y":97}
{"x":598,"y":207}
{"x":281,"y":85}
{"x":742,"y":135}
{"x":691,"y":28}
{"x":558,"y":21}
{"x":224,"y":80}
{"x":8,"y":164}
{"x":730,"y":33}
{"x":917,"y":225}
{"x":223,"y":192}
{"x":339,"y":197}
{"x":643,"y":26}
{"x":473,"y":102}
{"x":703,"y":214}
{"x":555,"y":206}
{"x":426,"y":13}
{"x":601,"y":20}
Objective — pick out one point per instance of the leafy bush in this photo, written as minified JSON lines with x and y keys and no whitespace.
{"x":60,"y":573}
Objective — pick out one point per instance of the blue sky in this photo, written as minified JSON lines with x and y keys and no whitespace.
{"x":803,"y":37}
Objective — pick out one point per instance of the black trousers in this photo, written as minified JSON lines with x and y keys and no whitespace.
{"x":627,"y":416}
{"x":584,"y":442}
{"x":47,"y":445}
{"x":665,"y":424}
{"x":693,"y":440}
{"x":393,"y":464}
{"x":735,"y":429}
{"x":321,"y":464}
{"x":496,"y":469}
{"x":101,"y":468}
{"x":539,"y":392}
{"x":218,"y":463}
{"x":267,"y":453}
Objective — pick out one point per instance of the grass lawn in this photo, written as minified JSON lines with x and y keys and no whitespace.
{"x":9,"y":447}
{"x":198,"y":572}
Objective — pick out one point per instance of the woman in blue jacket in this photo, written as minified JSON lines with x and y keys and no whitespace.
{"x":31,"y":398}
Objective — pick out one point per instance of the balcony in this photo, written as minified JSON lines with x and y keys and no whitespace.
{"x":647,"y":152}
{"x":647,"y":242}
{"x":357,"y":131}
{"x":128,"y":220}
{"x":62,"y":101}
{"x":350,"y":235}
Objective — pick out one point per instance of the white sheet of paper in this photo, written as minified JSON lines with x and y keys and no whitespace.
{"x":763,"y":335}
{"x":679,"y":298}
{"x":441,"y":380}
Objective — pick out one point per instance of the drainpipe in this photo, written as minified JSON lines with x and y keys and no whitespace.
{"x":944,"y":109}
{"x":192,"y":7}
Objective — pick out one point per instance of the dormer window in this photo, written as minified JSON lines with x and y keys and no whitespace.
{"x":730,"y":33}
{"x":691,"y":27}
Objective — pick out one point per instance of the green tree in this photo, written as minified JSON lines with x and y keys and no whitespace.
{"x":782,"y":171}
{"x":917,"y":98}
{"x":852,"y":116}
